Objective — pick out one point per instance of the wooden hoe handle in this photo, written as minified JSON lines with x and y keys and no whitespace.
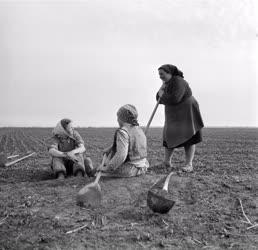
{"x":13,"y":162}
{"x":152,"y":115}
{"x":99,"y":173}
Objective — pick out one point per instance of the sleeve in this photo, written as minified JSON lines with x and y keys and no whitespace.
{"x":53,"y":144}
{"x":174,"y":93}
{"x":122,"y":144}
{"x":78,"y":138}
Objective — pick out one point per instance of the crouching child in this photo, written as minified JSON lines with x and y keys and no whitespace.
{"x":67,"y":151}
{"x":126,"y":157}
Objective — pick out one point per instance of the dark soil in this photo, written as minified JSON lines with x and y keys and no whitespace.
{"x":37,"y":211}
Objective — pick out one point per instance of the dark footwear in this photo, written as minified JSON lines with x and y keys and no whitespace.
{"x":92,"y":173}
{"x":89,"y":170}
{"x":60,"y":176}
{"x":79,"y":173}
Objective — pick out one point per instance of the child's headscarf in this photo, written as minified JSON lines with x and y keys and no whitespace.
{"x":128,"y":114}
{"x":171,"y":69}
{"x":60,"y":129}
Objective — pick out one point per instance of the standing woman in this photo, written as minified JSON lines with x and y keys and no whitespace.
{"x":183,"y":121}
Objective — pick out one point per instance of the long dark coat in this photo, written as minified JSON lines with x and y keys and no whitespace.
{"x":182,"y":115}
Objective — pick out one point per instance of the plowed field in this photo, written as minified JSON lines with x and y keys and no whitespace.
{"x":37,"y":211}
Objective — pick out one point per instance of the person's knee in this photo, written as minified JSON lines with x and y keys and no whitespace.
{"x":88,"y":162}
{"x":78,"y":169}
{"x":57,"y":160}
{"x":58,"y":167}
{"x":89,"y":169}
{"x":58,"y":164}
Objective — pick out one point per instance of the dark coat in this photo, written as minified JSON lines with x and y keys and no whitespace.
{"x":182,"y":115}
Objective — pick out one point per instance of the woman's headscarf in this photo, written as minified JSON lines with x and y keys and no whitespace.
{"x":171,"y":69}
{"x":60,"y":128}
{"x":65,"y":122}
{"x":128,"y":114}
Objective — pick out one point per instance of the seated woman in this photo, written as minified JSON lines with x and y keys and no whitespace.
{"x":67,"y":151}
{"x":127,"y":156}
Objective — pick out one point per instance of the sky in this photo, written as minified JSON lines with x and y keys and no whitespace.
{"x":84,"y":59}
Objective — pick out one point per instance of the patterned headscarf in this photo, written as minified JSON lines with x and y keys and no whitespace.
{"x":171,"y":69}
{"x":128,"y":114}
{"x":60,"y":128}
{"x":65,"y":122}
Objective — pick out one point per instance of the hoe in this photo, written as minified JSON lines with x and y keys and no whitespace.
{"x":159,"y":200}
{"x":90,"y":194}
{"x":4,"y":159}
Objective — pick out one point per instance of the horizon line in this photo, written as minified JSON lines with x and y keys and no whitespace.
{"x":227,"y":126}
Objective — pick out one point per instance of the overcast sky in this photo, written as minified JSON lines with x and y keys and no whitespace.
{"x":84,"y":59}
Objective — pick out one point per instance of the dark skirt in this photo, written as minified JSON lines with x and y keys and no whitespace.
{"x":196,"y":138}
{"x":182,"y":122}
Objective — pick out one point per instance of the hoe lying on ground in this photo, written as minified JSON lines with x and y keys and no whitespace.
{"x":4,"y":159}
{"x":90,"y":194}
{"x":158,"y":199}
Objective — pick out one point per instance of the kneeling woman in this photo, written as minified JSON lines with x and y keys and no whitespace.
{"x":127,"y":156}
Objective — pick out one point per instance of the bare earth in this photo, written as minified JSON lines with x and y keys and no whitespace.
{"x":37,"y":211}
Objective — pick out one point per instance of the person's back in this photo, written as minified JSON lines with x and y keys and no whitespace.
{"x":127,"y":155}
{"x":137,"y":149}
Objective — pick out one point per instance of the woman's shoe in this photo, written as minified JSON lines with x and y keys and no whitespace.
{"x":60,"y":176}
{"x":79,"y":173}
{"x":188,"y":168}
{"x":92,"y":172}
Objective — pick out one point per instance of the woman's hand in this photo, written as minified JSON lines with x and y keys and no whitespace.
{"x":162,"y":89}
{"x":161,"y":92}
{"x":71,"y":156}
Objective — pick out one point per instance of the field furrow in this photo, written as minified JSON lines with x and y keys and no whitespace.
{"x":37,"y":211}
{"x":3,"y":140}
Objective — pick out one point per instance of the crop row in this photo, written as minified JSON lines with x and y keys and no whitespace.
{"x":20,"y":141}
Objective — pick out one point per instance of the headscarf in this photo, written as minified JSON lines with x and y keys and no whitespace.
{"x":171,"y":69}
{"x":60,"y":129}
{"x":65,"y":122}
{"x":128,"y":114}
